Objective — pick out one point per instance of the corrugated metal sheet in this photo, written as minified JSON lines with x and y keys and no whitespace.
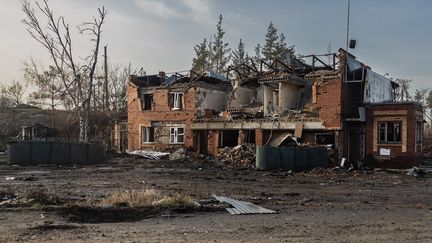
{"x":242,"y":207}
{"x":378,"y":88}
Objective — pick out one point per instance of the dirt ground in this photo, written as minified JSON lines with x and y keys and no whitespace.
{"x":319,"y":206}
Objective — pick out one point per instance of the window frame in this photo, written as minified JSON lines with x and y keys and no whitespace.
{"x":395,"y":132}
{"x":172,"y":100}
{"x":150,"y":134}
{"x":143,"y":102}
{"x":175,"y":135}
{"x":419,"y":132}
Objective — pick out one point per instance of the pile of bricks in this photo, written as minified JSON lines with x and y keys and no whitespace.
{"x":243,"y":155}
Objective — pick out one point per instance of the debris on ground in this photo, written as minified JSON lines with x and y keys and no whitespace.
{"x":239,"y":155}
{"x":149,"y":154}
{"x":242,"y":207}
{"x":178,"y":154}
{"x":416,"y":171}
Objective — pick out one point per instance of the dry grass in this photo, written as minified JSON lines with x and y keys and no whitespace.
{"x":146,"y":198}
{"x":41,"y":197}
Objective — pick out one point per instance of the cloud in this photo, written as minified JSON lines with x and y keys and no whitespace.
{"x":200,"y":11}
{"x":158,"y":8}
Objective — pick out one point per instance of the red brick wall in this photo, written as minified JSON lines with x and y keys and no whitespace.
{"x":406,"y":113}
{"x":329,"y":102}
{"x":213,"y":142}
{"x":160,"y":112}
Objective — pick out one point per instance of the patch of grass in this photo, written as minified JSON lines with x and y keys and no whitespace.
{"x":146,"y":198}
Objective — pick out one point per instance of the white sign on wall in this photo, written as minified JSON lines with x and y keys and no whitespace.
{"x":385,"y":152}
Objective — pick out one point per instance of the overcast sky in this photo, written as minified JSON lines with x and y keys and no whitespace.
{"x":393,"y":36}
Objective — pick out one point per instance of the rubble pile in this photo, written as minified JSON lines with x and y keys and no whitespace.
{"x":243,"y":155}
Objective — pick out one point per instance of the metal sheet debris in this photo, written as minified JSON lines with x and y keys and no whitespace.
{"x":155,"y":155}
{"x":242,"y":207}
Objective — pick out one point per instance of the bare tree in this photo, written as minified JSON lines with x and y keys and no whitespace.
{"x":118,"y":79}
{"x":13,"y":93}
{"x":55,"y":37}
{"x":420,"y":96}
{"x":403,"y":90}
{"x":429,"y":106}
{"x":117,"y":88}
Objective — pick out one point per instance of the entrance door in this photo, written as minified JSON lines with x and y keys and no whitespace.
{"x":201,"y":142}
{"x":123,"y":140}
{"x":356,"y":143}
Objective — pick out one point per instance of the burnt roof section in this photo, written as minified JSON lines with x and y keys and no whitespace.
{"x":163,"y":80}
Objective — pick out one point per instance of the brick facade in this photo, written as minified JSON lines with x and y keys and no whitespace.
{"x":405,"y":153}
{"x":328,"y":98}
{"x":161,"y":116}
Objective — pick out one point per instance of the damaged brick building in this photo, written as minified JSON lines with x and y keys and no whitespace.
{"x":161,"y":109}
{"x":340,"y":103}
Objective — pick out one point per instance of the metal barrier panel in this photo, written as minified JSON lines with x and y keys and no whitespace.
{"x":60,"y":153}
{"x":287,"y":158}
{"x":267,"y":158}
{"x":57,"y":153}
{"x":19,"y":153}
{"x":78,"y":153}
{"x":40,"y":153}
{"x":292,"y":158}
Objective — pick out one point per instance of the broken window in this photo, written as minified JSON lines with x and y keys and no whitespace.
{"x":325,"y":138}
{"x":176,"y":101}
{"x":355,"y":70}
{"x":146,"y":101}
{"x":390,"y":132}
{"x":147,"y":135}
{"x":176,"y":135}
{"x":229,"y":138}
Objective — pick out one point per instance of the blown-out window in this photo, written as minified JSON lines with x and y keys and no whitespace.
{"x":390,"y":132}
{"x":146,"y":102}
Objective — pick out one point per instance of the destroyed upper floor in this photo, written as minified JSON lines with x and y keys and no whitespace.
{"x":300,"y":88}
{"x":294,"y":89}
{"x":188,"y":92}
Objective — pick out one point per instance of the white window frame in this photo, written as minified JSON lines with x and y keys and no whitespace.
{"x":177,"y":101}
{"x":175,"y":134}
{"x":147,"y":133}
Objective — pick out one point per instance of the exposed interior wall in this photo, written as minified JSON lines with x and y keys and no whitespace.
{"x":210,"y":99}
{"x":243,"y":96}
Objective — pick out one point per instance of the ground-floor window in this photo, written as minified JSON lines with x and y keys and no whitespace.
{"x":177,"y":135}
{"x":390,"y":132}
{"x":419,"y":132}
{"x":147,"y":135}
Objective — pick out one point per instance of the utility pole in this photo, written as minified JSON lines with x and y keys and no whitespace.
{"x":106,"y":101}
{"x":348,"y":25}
